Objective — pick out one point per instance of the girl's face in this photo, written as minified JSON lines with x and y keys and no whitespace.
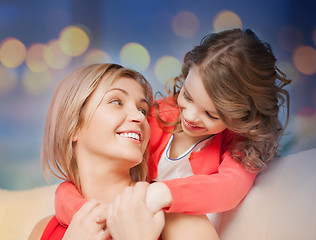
{"x":118,"y":130}
{"x":199,"y":118}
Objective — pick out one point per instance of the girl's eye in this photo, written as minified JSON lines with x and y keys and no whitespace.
{"x":211,"y":116}
{"x":116,"y":101}
{"x":186,"y":96}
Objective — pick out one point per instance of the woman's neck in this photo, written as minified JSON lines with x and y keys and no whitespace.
{"x":104,"y":191}
{"x":103,"y":182}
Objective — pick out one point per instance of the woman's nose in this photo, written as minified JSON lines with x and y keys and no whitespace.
{"x":136,"y":115}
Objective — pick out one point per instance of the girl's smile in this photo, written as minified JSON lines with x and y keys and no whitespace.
{"x":191,"y":126}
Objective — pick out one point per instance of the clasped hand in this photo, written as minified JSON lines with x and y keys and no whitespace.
{"x":127,"y":217}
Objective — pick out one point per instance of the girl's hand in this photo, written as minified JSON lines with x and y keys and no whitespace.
{"x":89,"y":223}
{"x":158,"y":196}
{"x":128,"y":217}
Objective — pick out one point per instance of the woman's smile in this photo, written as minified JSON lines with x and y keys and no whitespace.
{"x":135,"y":136}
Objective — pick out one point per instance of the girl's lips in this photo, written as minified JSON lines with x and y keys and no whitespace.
{"x":190,"y":126}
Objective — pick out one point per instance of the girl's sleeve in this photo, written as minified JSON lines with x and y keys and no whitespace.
{"x":68,"y":201}
{"x":222,"y":191}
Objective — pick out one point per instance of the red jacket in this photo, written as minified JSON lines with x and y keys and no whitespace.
{"x":53,"y":230}
{"x":219,"y":182}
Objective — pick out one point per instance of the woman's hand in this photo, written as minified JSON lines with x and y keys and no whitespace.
{"x":128,"y":217}
{"x":89,"y":223}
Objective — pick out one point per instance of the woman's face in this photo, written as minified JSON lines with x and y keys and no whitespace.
{"x":118,"y":130}
{"x":199,"y":118}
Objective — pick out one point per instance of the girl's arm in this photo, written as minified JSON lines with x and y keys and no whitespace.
{"x":68,"y":201}
{"x":201,"y":194}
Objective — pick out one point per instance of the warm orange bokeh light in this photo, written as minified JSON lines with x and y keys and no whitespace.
{"x":226,"y":20}
{"x":186,"y":24}
{"x":54,"y":56}
{"x":35,"y":58}
{"x":304,"y":59}
{"x":12,"y":52}
{"x":74,"y":41}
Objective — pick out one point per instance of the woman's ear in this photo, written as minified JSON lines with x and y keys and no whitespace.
{"x":75,"y":138}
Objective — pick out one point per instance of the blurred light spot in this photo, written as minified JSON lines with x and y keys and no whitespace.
{"x":74,"y":41}
{"x":290,"y":37}
{"x":167,"y":67}
{"x":96,"y":56}
{"x":304,"y":122}
{"x":35,"y":58}
{"x":135,"y":56}
{"x":290,"y":71}
{"x":304,"y":59}
{"x":12,"y":52}
{"x":186,"y":25}
{"x":226,"y":20}
{"x":8,"y":80}
{"x":36,"y":83}
{"x":54,"y":56}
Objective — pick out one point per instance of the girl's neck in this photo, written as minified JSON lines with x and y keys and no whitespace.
{"x":182,"y":142}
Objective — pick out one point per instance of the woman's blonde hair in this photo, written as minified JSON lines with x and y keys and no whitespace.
{"x":67,"y":113}
{"x":240,"y":76}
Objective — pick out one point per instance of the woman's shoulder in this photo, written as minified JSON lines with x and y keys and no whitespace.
{"x":39,"y":228}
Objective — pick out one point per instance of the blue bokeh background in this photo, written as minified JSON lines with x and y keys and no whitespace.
{"x":163,"y":29}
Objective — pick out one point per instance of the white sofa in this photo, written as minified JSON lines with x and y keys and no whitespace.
{"x":280,"y":206}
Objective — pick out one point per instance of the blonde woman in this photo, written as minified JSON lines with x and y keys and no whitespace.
{"x":96,"y":137}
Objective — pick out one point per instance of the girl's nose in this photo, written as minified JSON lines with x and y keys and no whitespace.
{"x":191,"y":114}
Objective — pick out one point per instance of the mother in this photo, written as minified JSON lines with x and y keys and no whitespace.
{"x":96,"y":137}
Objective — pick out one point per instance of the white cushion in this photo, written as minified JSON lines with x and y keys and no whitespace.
{"x":280,"y":206}
{"x":21,"y":210}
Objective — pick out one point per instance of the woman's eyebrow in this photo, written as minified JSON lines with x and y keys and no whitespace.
{"x":143,"y":100}
{"x":118,"y":89}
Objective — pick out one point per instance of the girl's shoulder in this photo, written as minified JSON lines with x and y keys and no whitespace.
{"x":166,"y":109}
{"x":230,"y":137}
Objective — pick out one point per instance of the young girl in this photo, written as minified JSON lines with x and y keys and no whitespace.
{"x":217,"y":129}
{"x":96,"y":137}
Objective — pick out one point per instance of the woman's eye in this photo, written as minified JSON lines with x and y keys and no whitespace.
{"x":116,"y":101}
